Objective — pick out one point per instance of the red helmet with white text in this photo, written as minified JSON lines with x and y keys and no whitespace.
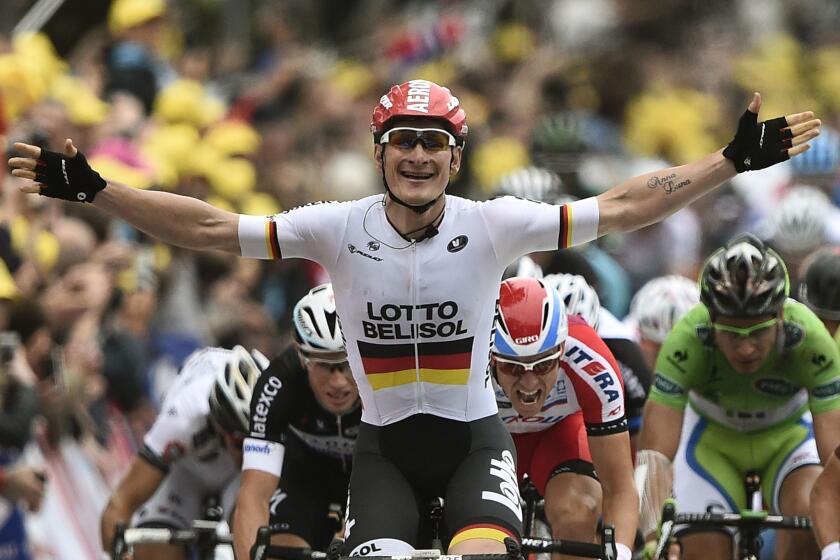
{"x":420,"y":98}
{"x":531,"y":320}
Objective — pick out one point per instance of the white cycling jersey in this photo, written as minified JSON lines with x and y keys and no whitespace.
{"x":418,"y":316}
{"x":182,"y":436}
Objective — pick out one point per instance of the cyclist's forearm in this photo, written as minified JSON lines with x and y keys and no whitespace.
{"x":825,"y":496}
{"x":113,"y":514}
{"x":826,"y":433}
{"x":621,"y":509}
{"x":649,"y":198}
{"x":251,"y":514}
{"x":178,"y":220}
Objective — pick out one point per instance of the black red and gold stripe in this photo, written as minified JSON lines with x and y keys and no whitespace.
{"x":392,"y":365}
{"x":271,"y":244}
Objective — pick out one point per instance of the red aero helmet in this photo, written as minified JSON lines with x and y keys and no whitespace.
{"x":531,"y":319}
{"x":420,"y":98}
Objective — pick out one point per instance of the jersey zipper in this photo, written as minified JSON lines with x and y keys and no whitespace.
{"x":418,"y":387}
{"x":340,"y":438}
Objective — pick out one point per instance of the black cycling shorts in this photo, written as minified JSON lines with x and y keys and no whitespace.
{"x":311,"y":486}
{"x":398,"y":469}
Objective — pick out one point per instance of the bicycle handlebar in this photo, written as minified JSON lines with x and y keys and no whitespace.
{"x":202,"y":534}
{"x":170,"y":536}
{"x":571,"y":548}
{"x":288,"y":553}
{"x":264,"y":550}
{"x":747,"y":520}
{"x":742,"y":520}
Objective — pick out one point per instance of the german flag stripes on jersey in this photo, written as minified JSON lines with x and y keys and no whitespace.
{"x":578,"y":222}
{"x":442,"y":363}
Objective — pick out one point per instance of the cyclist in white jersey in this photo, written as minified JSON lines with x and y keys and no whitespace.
{"x":417,"y":331}
{"x":193,"y":450}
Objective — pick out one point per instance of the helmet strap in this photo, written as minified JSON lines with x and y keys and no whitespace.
{"x":780,"y":334}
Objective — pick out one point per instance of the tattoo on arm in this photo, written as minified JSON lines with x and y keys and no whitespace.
{"x":669,"y":183}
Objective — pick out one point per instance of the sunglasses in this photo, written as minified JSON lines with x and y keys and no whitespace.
{"x":405,"y":138}
{"x":518,"y":369}
{"x":746,"y":331}
{"x":341,"y":365}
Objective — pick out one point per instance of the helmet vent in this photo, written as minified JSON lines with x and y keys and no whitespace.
{"x":314,"y":321}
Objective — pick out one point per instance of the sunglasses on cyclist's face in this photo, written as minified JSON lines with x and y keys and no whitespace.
{"x":753,"y":331}
{"x":341,"y":365}
{"x":539,"y":368}
{"x":405,"y":138}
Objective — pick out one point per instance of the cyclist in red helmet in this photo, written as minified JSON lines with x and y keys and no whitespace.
{"x":418,"y":102}
{"x":416,"y":276}
{"x":561,"y":394}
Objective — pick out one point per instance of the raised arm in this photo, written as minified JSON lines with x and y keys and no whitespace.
{"x":174,"y":219}
{"x":649,"y":198}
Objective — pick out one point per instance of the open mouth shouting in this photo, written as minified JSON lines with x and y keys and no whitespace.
{"x":530,"y":398}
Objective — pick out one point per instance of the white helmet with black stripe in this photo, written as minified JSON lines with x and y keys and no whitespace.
{"x":533,"y":183}
{"x":660,"y":303}
{"x":579,"y":297}
{"x":230,"y":399}
{"x":317,"y":330}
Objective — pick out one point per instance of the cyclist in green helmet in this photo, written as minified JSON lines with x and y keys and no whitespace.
{"x":753,"y":379}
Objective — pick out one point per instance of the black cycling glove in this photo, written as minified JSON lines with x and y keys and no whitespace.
{"x":759,"y":144}
{"x":67,"y":178}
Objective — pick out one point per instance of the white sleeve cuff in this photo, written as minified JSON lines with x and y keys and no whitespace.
{"x":581,"y":222}
{"x":624,"y":552}
{"x":266,"y":456}
{"x":255,"y":237}
{"x":831,"y":551}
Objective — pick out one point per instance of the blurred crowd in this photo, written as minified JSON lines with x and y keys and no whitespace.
{"x":262,"y":105}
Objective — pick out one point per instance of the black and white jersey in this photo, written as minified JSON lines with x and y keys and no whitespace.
{"x":284,"y":408}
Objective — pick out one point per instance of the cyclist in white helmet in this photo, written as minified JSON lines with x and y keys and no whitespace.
{"x":802,"y":221}
{"x":416,"y":331}
{"x":305,"y":415}
{"x":657,"y":306}
{"x":533,"y":183}
{"x":582,"y":299}
{"x":193,"y":450}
